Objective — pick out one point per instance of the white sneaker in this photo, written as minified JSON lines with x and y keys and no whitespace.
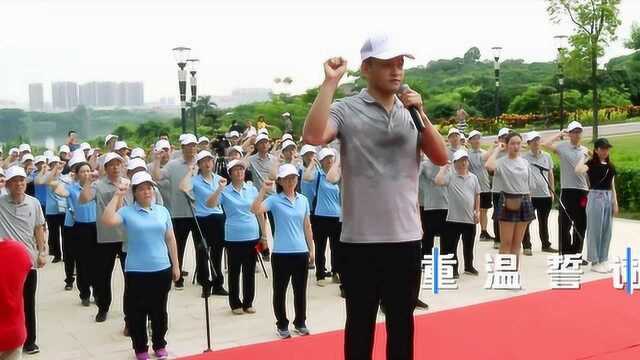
{"x":606,"y":269}
{"x":599,"y":268}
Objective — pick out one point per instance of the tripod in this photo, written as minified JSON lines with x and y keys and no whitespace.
{"x":562,"y":207}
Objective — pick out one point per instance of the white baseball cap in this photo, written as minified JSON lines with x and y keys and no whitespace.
{"x":474,"y":133}
{"x":48,"y":153}
{"x":286,"y":114}
{"x":40,"y":158}
{"x":459,"y":154}
{"x":187,"y":139}
{"x":138,"y":153}
{"x":26,"y":157}
{"x":162,"y":144}
{"x":77,"y":157}
{"x":326,"y":152}
{"x":234,"y":134}
{"x":13,"y":150}
{"x":287,"y":143}
{"x":382,"y":47}
{"x":234,"y":163}
{"x":307,"y":148}
{"x":120,"y":145}
{"x":263,"y":131}
{"x":203,"y":139}
{"x":136,"y":163}
{"x":85,"y":146}
{"x":109,"y":137}
{"x":286,"y":170}
{"x":287,"y":136}
{"x":453,"y":130}
{"x":531,"y":135}
{"x":204,"y":154}
{"x":53,"y":159}
{"x":64,"y":149}
{"x":574,"y":125}
{"x":261,"y":137}
{"x":24,"y":147}
{"x":14,"y":171}
{"x":112,"y":156}
{"x":237,"y":148}
{"x":503,"y":132}
{"x":141,"y":177}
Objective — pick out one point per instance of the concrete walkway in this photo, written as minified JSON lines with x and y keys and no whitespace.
{"x":67,"y":331}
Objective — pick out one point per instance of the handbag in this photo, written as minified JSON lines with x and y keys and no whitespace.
{"x":512,"y":202}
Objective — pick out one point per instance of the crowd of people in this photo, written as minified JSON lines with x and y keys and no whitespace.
{"x":287,"y":201}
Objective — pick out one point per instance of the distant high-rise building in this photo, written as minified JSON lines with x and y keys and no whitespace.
{"x":110,"y":94}
{"x":89,"y":94}
{"x":64,"y":95}
{"x":36,"y":97}
{"x":107,"y":93}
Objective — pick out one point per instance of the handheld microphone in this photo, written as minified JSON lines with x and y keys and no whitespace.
{"x":415,"y":115}
{"x":541,"y":168}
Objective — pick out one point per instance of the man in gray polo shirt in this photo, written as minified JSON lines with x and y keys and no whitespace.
{"x":574,"y":188}
{"x":109,"y":239}
{"x":262,"y":165}
{"x":381,"y":230}
{"x":168,"y":178}
{"x":21,"y":219}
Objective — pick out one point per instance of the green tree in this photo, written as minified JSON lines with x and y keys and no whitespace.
{"x":595,"y":23}
{"x":472,"y":56}
{"x":633,"y":42}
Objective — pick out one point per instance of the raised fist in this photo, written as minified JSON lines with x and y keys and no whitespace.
{"x":335,"y":68}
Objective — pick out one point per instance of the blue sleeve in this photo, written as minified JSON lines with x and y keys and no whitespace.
{"x":221,"y":200}
{"x":307,"y":210}
{"x":268,"y":202}
{"x":123,"y":214}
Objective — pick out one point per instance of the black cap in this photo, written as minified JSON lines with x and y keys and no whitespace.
{"x":602,"y":143}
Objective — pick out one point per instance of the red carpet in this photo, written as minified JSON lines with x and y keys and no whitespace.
{"x":595,"y":322}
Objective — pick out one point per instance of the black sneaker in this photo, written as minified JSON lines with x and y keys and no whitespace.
{"x":56,"y":260}
{"x":471,"y":271}
{"x":31,"y":349}
{"x":421,"y":305}
{"x":456,"y":275}
{"x":184,"y":273}
{"x":206,"y":292}
{"x":484,"y":236}
{"x":220,"y":292}
{"x":179,"y":285}
{"x":101,"y":316}
{"x":68,"y":287}
{"x":549,"y":249}
{"x":343,"y":294}
{"x":85,"y":302}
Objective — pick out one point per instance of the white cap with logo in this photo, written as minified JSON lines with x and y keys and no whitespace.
{"x":162,"y":144}
{"x":286,"y":170}
{"x":307,"y":149}
{"x":204,"y":154}
{"x":531,"y":135}
{"x":26,"y":157}
{"x":288,"y":143}
{"x":40,"y":158}
{"x":120,"y":145}
{"x":138,"y":153}
{"x":574,"y":125}
{"x":24,"y":147}
{"x":459,"y":154}
{"x":136,"y":163}
{"x":141,"y":177}
{"x":504,"y":132}
{"x":453,"y":130}
{"x":186,"y":139}
{"x":474,"y":133}
{"x":112,"y":156}
{"x":326,"y":152}
{"x":14,"y":171}
{"x":203,"y":139}
{"x":233,"y":133}
{"x":234,"y":163}
{"x":261,"y":137}
{"x":287,"y":136}
{"x":64,"y":149}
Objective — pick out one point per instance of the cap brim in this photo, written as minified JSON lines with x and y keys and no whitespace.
{"x":391,"y":54}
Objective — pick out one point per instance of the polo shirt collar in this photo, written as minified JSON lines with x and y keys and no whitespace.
{"x":139,"y":208}
{"x":244,"y":187}
{"x":366,"y":97}
{"x":287,"y":199}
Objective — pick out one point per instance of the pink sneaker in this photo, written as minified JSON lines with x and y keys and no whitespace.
{"x":162,"y":353}
{"x":142,"y":356}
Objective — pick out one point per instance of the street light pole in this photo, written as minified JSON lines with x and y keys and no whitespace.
{"x":496,"y":67}
{"x":181,"y":54}
{"x":193,"y":69}
{"x":561,"y":41}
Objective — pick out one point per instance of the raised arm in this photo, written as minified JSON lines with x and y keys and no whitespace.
{"x":441,"y":177}
{"x":214,"y":198}
{"x":491,"y":162}
{"x":317,"y":130}
{"x":335,"y":173}
{"x":550,"y":142}
{"x":258,"y":206}
{"x":309,"y":173}
{"x":110,"y":216}
{"x":88,"y":193}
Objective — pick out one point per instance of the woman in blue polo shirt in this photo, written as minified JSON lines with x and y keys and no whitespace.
{"x":151,"y":263}
{"x":84,"y":228}
{"x":292,"y":246}
{"x":327,"y":211}
{"x":201,"y":186}
{"x":241,"y":233}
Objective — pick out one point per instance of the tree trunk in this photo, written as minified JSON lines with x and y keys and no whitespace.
{"x":594,"y":85}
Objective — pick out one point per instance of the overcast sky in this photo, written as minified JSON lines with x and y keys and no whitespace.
{"x":247,"y":43}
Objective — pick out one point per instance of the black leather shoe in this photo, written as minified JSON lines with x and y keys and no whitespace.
{"x":86,"y":302}
{"x":101,"y":316}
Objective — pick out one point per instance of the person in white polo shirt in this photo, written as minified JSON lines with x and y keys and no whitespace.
{"x":21,"y":219}
{"x":541,"y":196}
{"x":495,"y":186}
{"x":453,"y":138}
{"x":574,"y":188}
{"x":463,"y":191}
{"x":381,"y":231}
{"x":477,"y":159}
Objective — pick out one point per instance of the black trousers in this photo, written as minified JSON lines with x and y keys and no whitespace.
{"x":294,"y":268}
{"x":55,"y":224}
{"x":452,"y":235}
{"x":69,"y":253}
{"x":181,"y":228}
{"x":324,"y":228}
{"x":375,"y":273}
{"x":575,"y":202}
{"x":433,"y":223}
{"x":213,"y":231}
{"x":105,"y":259}
{"x":542,"y":205}
{"x":85,"y":241}
{"x":147,"y":295}
{"x":29,"y":297}
{"x":242,"y":259}
{"x":495,"y":197}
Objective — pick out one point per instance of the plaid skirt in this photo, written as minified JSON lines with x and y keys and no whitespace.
{"x":525,"y":214}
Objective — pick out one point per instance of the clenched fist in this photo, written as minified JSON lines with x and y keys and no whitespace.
{"x":335,"y":68}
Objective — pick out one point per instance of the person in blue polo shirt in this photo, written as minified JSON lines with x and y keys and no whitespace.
{"x":241,"y":234}
{"x":327,"y":211}
{"x":292,"y":246}
{"x":151,"y":263}
{"x":200,"y":184}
